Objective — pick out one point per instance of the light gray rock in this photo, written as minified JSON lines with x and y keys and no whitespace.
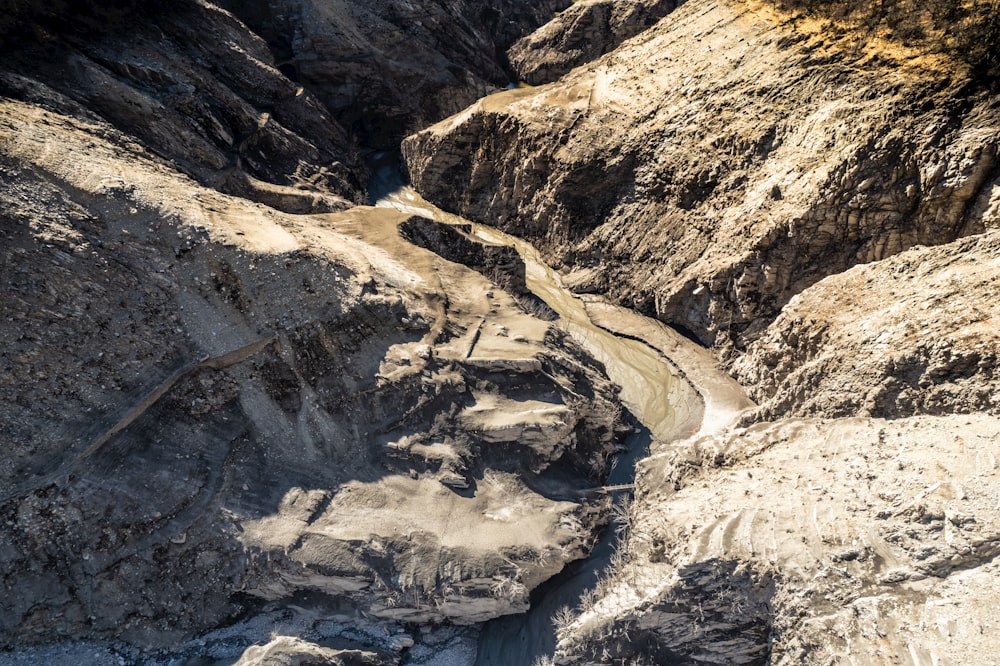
{"x":913,"y":334}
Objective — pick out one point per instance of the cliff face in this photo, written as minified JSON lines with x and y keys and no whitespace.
{"x":584,"y":31}
{"x":388,"y":68}
{"x":213,"y":408}
{"x":710,"y":169}
{"x":196,"y":87}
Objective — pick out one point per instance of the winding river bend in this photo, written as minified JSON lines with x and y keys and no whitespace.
{"x":648,"y":382}
{"x":650,"y":389}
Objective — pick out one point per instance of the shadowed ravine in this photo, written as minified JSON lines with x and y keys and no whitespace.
{"x":649,"y":389}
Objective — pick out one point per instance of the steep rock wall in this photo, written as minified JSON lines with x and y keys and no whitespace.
{"x":388,"y":68}
{"x":722,"y":162}
{"x":198,"y":89}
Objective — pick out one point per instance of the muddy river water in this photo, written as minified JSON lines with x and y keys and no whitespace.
{"x":648,"y":382}
{"x":649,"y":390}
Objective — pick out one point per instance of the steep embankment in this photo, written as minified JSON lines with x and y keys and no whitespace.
{"x":211,"y":408}
{"x":196,"y":87}
{"x":824,"y":210}
{"x":914,"y":334}
{"x":723,"y":161}
{"x":582,"y":32}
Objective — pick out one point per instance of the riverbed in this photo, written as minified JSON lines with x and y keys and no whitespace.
{"x":663,"y":405}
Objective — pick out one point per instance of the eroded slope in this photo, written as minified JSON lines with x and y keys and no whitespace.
{"x":723,"y":161}
{"x":812,"y":541}
{"x":914,"y":334}
{"x":211,"y":407}
{"x":582,"y":32}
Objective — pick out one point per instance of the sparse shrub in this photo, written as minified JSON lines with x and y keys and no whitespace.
{"x":978,"y":38}
{"x":562,"y":619}
{"x":966,"y":29}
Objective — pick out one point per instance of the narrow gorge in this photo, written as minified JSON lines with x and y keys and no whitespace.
{"x":442,"y":332}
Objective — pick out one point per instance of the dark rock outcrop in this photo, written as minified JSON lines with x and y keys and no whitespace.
{"x":582,"y":32}
{"x":197,"y":88}
{"x":500,"y":263}
{"x":388,"y":68}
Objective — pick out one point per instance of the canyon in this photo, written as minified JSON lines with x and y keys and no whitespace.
{"x":261,"y":403}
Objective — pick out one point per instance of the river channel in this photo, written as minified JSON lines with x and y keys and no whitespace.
{"x":649,"y":390}
{"x":647,"y":380}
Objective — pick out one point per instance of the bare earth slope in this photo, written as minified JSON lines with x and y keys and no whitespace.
{"x":210,"y":408}
{"x":918,"y":333}
{"x":582,"y":32}
{"x":808,"y":542}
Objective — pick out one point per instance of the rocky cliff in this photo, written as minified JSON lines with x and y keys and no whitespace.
{"x":820,"y":208}
{"x":582,"y":32}
{"x":388,"y":68}
{"x":723,"y":161}
{"x":914,"y":334}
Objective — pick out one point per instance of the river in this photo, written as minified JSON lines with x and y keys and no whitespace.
{"x":648,"y":390}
